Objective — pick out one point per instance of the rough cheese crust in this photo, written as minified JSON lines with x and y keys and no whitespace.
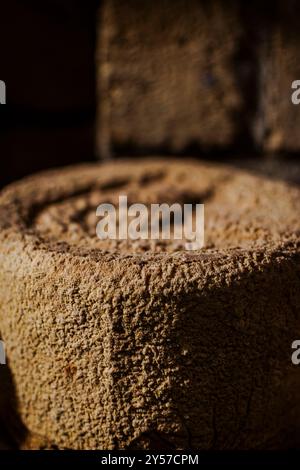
{"x":114,"y":346}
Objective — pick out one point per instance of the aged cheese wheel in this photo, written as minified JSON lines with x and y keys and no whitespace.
{"x":136,"y":344}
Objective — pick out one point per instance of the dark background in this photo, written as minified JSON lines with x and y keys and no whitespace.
{"x":47,"y":62}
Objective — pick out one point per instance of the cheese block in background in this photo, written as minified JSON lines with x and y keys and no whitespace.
{"x":277,"y":125}
{"x":168,"y":75}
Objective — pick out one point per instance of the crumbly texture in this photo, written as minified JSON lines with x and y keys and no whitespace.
{"x":114,"y":347}
{"x":167,"y":75}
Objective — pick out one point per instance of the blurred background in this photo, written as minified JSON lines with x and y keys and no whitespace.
{"x":99,"y":80}
{"x":47,"y":62}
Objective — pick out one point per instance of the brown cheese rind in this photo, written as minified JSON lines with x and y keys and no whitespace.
{"x":114,"y":347}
